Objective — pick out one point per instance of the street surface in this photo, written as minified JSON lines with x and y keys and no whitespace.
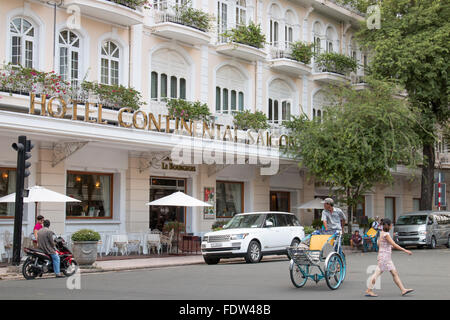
{"x":426,"y":271}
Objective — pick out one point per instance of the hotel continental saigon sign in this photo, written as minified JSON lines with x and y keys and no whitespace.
{"x":57,"y":107}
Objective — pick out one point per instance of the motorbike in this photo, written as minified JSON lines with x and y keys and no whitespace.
{"x":39,"y":263}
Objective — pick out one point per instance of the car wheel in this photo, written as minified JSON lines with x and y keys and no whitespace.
{"x":294,"y":243}
{"x":433,"y":243}
{"x":211,"y":260}
{"x":254,"y":253}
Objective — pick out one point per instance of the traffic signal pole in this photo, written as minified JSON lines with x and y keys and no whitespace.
{"x":23,"y":148}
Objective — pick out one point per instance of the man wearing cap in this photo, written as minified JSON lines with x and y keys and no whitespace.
{"x":333,"y":218}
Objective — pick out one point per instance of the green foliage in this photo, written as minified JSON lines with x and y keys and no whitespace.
{"x":317,"y":224}
{"x":336,"y":63}
{"x":86,"y":235}
{"x":308,"y":230}
{"x":114,"y":95}
{"x":346,"y":239}
{"x":358,"y":141}
{"x":179,"y":108}
{"x":302,"y":52}
{"x":218,"y":225}
{"x":194,"y":17}
{"x":27,"y":80}
{"x":133,"y":4}
{"x":175,"y":225}
{"x":250,"y":35}
{"x":245,"y":120}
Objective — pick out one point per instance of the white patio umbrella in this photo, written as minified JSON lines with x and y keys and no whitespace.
{"x":313,"y":204}
{"x":40,"y":194}
{"x":179,"y":199}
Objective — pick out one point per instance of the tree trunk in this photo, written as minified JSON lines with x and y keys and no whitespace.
{"x":349,"y":213}
{"x":427,"y":185}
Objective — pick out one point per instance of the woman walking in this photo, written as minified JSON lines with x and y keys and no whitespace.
{"x":385,"y":244}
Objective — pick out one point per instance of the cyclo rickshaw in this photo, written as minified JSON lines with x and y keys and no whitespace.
{"x":323,"y":251}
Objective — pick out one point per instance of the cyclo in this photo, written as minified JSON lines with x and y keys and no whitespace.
{"x":323,"y":251}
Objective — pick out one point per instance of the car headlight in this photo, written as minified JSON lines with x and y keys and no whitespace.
{"x":205,"y":239}
{"x":422,"y":233}
{"x":238,"y":236}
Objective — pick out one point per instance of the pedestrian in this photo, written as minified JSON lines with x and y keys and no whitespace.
{"x":47,"y":245}
{"x":37,"y":227}
{"x":356,"y":240}
{"x":384,"y":259}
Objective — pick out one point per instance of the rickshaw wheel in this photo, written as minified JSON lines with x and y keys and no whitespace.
{"x":297,"y":278}
{"x":334,"y":271}
{"x":344,"y":262}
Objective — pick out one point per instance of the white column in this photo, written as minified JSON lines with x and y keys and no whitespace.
{"x":136,"y":56}
{"x":259,"y":86}
{"x":204,"y":79}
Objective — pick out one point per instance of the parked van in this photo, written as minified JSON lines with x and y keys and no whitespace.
{"x":430,"y":228}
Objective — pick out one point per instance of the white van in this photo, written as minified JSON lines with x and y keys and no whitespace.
{"x":430,"y":228}
{"x":252,"y":235}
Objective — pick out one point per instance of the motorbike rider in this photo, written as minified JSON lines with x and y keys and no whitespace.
{"x":47,"y":245}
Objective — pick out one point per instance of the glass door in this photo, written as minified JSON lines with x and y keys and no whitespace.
{"x":160,"y":215}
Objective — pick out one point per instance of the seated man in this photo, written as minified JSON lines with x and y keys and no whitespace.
{"x":356,"y":240}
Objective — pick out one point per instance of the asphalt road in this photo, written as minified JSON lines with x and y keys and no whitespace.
{"x":426,"y":271}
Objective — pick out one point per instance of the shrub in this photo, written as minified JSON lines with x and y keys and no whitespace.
{"x":250,"y":35}
{"x":245,"y":120}
{"x":218,"y":225}
{"x":179,"y":108}
{"x":308,"y":230}
{"x":114,"y":95}
{"x":302,"y":52}
{"x":86,"y":235}
{"x":317,"y":224}
{"x":336,"y":63}
{"x":346,"y":239}
{"x":194,"y":17}
{"x":175,"y":225}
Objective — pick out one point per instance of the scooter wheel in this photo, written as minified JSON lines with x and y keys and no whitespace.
{"x":27,"y":270}
{"x":70,"y":268}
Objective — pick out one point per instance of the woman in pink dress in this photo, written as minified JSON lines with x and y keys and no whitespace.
{"x":385,"y":244}
{"x":37,"y":227}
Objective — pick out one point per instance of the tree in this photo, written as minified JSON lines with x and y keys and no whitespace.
{"x":360,"y":139}
{"x":412,"y":46}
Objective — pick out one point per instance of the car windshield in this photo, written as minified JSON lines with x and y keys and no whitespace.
{"x":411,"y":220}
{"x":245,"y":221}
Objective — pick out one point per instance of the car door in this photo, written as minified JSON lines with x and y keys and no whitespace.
{"x":272,"y":233}
{"x":287,"y":229}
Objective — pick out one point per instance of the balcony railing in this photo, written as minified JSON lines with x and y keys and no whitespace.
{"x":162,"y":17}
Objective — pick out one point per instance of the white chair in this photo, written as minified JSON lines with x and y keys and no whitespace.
{"x":8,"y":244}
{"x":134,"y":242}
{"x":120,"y":241}
{"x":167,"y":240}
{"x":154,"y":242}
{"x":101,"y":244}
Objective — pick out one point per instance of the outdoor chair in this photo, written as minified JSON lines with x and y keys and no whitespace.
{"x":167,"y":240}
{"x":134,"y":243}
{"x":154,"y":242}
{"x":8,"y":244}
{"x":120,"y":241}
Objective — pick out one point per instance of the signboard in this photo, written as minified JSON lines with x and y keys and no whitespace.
{"x":208,"y":196}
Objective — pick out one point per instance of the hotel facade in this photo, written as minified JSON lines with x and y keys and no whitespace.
{"x":115,"y":160}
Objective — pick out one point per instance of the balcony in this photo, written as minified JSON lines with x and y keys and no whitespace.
{"x":283,"y":61}
{"x":172,"y":26}
{"x":358,"y":82}
{"x":242,"y":51}
{"x":122,"y":12}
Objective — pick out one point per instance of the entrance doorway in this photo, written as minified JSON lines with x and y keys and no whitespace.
{"x":159,"y":215}
{"x":280,"y":201}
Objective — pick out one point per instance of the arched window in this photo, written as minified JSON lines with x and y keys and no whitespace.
{"x":280,"y":102}
{"x":274,"y":27}
{"x":110,"y":63}
{"x":69,"y":56}
{"x":332,"y":43}
{"x":320,"y":100}
{"x":169,"y":75}
{"x":317,"y":35}
{"x":241,"y":12}
{"x":289,"y":28}
{"x":231,"y":85}
{"x":22,"y":39}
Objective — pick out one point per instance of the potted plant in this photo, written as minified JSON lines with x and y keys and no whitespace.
{"x":336,"y":63}
{"x":302,"y":52}
{"x":85,"y":246}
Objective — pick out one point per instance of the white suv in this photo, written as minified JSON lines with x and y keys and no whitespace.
{"x":252,"y":235}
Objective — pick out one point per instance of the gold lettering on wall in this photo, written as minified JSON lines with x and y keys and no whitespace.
{"x":63,"y":112}
{"x":120,"y":117}
{"x":42,"y":103}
